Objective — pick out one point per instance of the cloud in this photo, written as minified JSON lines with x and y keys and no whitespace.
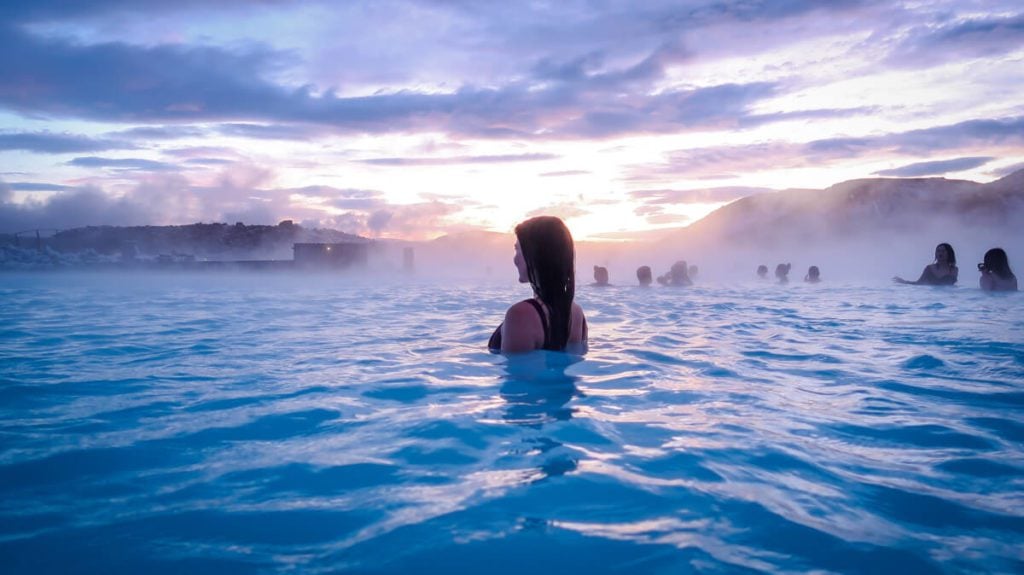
{"x":268,"y":131}
{"x":564,"y":173}
{"x":455,"y":160}
{"x":368,"y":212}
{"x":601,"y":115}
{"x":410,"y":220}
{"x":204,"y":155}
{"x":208,"y":161}
{"x":63,"y":9}
{"x":936,"y":43}
{"x":159,"y":133}
{"x":562,"y":210}
{"x":120,"y":82}
{"x":48,"y":143}
{"x":81,"y":207}
{"x":584,"y":97}
{"x":344,"y":199}
{"x":38,"y":187}
{"x":698,"y":196}
{"x":1004,"y":131}
{"x":662,"y":219}
{"x":241,"y":192}
{"x":935,"y":168}
{"x":1002,"y":172}
{"x":754,"y":120}
{"x":201,"y":152}
{"x":728,"y":161}
{"x":122,"y":164}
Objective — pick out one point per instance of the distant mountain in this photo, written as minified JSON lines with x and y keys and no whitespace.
{"x":205,"y":241}
{"x":863,"y":207}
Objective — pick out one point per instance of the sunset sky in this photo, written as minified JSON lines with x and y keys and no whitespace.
{"x":411,"y":119}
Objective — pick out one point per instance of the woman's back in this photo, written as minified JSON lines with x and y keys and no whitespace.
{"x":527,"y":327}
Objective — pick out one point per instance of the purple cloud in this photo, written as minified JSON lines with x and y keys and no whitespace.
{"x":935,"y":168}
{"x":48,"y":143}
{"x":38,"y":187}
{"x":562,"y":210}
{"x":699,"y":196}
{"x":936,"y":43}
{"x":159,"y":133}
{"x":78,"y":208}
{"x":122,"y":164}
{"x":726,"y":161}
{"x":269,"y":132}
{"x":455,"y":160}
{"x":116,"y":81}
{"x":564,"y":173}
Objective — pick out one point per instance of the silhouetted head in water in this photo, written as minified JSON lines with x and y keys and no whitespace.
{"x":643,"y":275}
{"x":944,"y":254}
{"x":997,"y":263}
{"x":996,"y":274}
{"x":782,"y":272}
{"x":679,"y":274}
{"x":600,"y":276}
{"x":548,"y":264}
{"x":762,"y":271}
{"x":813,"y":275}
{"x":692,"y":272}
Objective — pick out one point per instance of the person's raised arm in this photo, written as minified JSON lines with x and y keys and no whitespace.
{"x":925,"y":274}
{"x":986,"y":282}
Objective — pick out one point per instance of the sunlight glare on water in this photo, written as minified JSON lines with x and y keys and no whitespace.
{"x":313,"y":424}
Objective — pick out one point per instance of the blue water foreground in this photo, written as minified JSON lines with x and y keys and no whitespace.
{"x":325,"y":424}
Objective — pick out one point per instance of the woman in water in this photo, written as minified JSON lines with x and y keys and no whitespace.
{"x":942,"y":272}
{"x":995,"y":272}
{"x":643,"y":276}
{"x":551,"y":320}
{"x":813,"y":275}
{"x":782,"y":273}
{"x":678,"y":275}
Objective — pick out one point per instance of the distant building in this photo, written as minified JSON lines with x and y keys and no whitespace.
{"x":339,"y":255}
{"x":175,"y":258}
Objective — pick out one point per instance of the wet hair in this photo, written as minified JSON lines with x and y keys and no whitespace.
{"x":997,"y":263}
{"x":550,"y":255}
{"x":601,"y":274}
{"x":643,"y":274}
{"x":762,"y":270}
{"x":949,"y":250}
{"x":782,"y":270}
{"x":813,"y":272}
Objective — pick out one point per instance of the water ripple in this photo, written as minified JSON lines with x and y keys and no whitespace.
{"x":324,"y":425}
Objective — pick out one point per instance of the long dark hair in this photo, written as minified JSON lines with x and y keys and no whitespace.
{"x":550,"y":256}
{"x":949,"y":250}
{"x":997,"y":263}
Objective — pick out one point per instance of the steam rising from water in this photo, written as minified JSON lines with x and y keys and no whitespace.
{"x":860,"y":259}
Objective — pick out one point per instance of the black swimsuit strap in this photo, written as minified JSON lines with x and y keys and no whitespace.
{"x":495,"y":342}
{"x":543,"y":322}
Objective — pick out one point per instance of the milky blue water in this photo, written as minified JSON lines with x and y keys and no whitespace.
{"x":317,"y":424}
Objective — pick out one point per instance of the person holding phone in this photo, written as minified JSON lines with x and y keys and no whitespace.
{"x":995,"y":272}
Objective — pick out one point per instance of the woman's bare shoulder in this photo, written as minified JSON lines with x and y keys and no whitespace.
{"x":520,"y":311}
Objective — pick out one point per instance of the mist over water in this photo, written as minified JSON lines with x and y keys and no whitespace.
{"x":265,"y":423}
{"x":868,"y":260}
